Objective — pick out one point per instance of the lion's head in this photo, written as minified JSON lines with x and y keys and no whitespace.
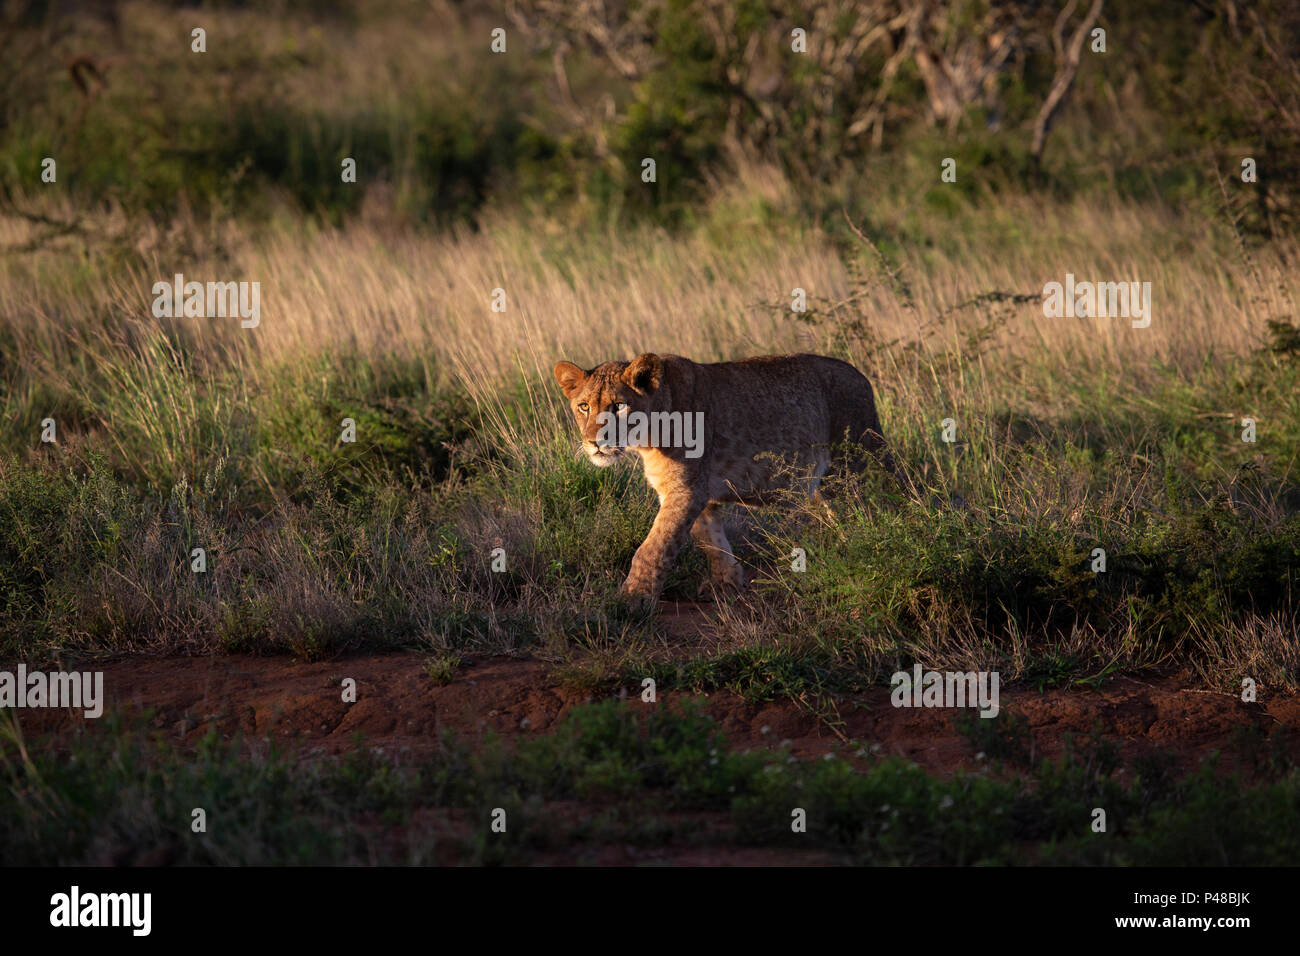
{"x":599,"y":398}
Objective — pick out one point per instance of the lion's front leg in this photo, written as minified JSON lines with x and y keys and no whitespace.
{"x":655,"y":557}
{"x":711,"y":538}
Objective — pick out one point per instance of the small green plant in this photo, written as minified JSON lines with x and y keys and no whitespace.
{"x":441,"y":667}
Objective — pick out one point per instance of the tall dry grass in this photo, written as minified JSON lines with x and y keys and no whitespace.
{"x":367,"y":297}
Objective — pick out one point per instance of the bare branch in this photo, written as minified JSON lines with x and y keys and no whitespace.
{"x":1067,"y":65}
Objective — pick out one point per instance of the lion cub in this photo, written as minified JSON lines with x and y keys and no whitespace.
{"x":708,"y":434}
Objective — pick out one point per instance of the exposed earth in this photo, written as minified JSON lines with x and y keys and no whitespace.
{"x":399,"y":706}
{"x":402,"y":710}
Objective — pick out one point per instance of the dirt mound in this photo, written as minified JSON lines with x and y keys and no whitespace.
{"x":398,"y":705}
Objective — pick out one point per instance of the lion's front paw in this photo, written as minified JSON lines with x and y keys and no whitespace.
{"x":731,"y":579}
{"x":640,"y":594}
{"x":723,"y":584}
{"x":637,"y":600}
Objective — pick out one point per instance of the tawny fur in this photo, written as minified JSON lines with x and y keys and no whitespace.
{"x":760,"y":417}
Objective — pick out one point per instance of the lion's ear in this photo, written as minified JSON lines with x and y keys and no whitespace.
{"x":644,"y":372}
{"x":570,"y":377}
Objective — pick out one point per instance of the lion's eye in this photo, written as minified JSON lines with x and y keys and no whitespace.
{"x":584,"y":407}
{"x":619,"y":408}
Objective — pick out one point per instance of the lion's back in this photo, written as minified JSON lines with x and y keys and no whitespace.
{"x":783,"y":406}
